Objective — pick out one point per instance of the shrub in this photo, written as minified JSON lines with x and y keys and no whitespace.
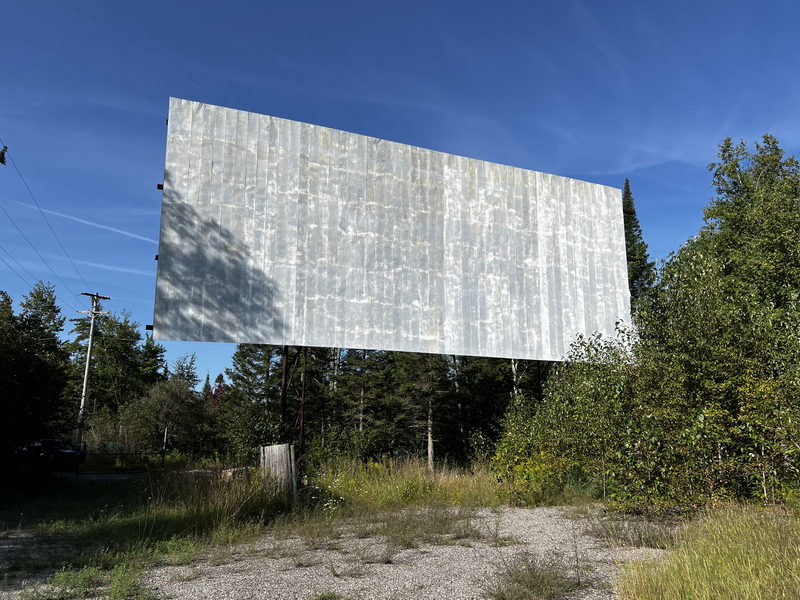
{"x":705,"y":404}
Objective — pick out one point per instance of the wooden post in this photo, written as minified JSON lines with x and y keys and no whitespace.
{"x":429,"y":431}
{"x":278,"y":461}
{"x":294,"y":471}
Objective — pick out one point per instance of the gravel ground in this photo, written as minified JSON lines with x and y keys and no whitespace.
{"x":287,"y":569}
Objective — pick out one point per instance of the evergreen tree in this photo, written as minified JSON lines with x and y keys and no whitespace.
{"x":423,"y":393}
{"x":153,"y":364}
{"x":641,"y":271}
{"x":218,"y":389}
{"x":241,"y":425}
{"x":114,"y":374}
{"x":482,"y":388}
{"x":40,"y":311}
{"x":360,"y":423}
{"x":207,"y":392}
{"x":185,"y":370}
{"x":33,"y":370}
{"x":122,"y":367}
{"x":251,"y":370}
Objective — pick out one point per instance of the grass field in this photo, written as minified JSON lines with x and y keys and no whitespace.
{"x":733,"y":552}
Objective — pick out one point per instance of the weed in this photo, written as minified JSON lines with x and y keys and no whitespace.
{"x":581,"y":511}
{"x":384,"y":556}
{"x":121,"y":583}
{"x":178,"y":551}
{"x":399,"y":529}
{"x":304,"y":561}
{"x":495,"y":538}
{"x":431,"y":525}
{"x":190,"y":575}
{"x":316,"y":529}
{"x":328,"y":596}
{"x":351,"y":570}
{"x":67,"y":584}
{"x":531,"y":577}
{"x":120,"y":527}
{"x":125,"y":584}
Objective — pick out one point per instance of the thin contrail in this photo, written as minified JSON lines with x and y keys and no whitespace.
{"x":158,"y":62}
{"x":115,"y":268}
{"x":90,"y":223}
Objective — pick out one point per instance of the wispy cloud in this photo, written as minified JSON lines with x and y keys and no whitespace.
{"x":88,"y":99}
{"x":89,"y":223}
{"x":595,"y":35}
{"x":104,"y":31}
{"x":116,"y":268}
{"x":105,"y":266}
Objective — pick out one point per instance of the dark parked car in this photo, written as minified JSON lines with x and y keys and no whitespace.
{"x":53,"y":455}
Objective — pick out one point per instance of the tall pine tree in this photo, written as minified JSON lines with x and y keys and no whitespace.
{"x":33,"y":370}
{"x":252,"y":371}
{"x":641,"y":271}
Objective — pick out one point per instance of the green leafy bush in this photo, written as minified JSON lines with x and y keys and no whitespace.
{"x":703,"y":402}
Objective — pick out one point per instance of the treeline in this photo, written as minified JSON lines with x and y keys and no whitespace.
{"x":361,"y":403}
{"x":701,"y":400}
{"x":41,"y":374}
{"x":368,"y":403}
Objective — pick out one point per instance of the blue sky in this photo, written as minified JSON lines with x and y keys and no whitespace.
{"x":596,"y":91}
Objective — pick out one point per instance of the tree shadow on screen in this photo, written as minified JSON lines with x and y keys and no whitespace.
{"x":209,"y":288}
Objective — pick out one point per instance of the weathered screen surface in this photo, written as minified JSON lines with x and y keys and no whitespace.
{"x":280,"y":232}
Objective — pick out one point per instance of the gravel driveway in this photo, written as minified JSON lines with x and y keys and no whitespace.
{"x":361,"y":569}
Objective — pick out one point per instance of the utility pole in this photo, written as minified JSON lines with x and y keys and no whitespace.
{"x":94,"y":313}
{"x":301,"y":417}
{"x":284,"y":371}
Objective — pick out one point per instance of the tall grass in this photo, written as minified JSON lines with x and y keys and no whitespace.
{"x":162,"y":519}
{"x":195,"y":505}
{"x":734,"y":552}
{"x":392,"y":484}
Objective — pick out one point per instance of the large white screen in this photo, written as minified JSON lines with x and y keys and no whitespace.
{"x":280,"y":232}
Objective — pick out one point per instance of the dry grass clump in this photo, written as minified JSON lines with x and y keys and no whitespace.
{"x":733,"y":552}
{"x":534,"y":577}
{"x":633,"y":532}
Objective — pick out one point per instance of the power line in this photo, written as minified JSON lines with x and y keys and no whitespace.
{"x":98,"y":336}
{"x":31,"y":275}
{"x":19,"y":264}
{"x":13,"y":270}
{"x":41,"y":212}
{"x":39,"y":254}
